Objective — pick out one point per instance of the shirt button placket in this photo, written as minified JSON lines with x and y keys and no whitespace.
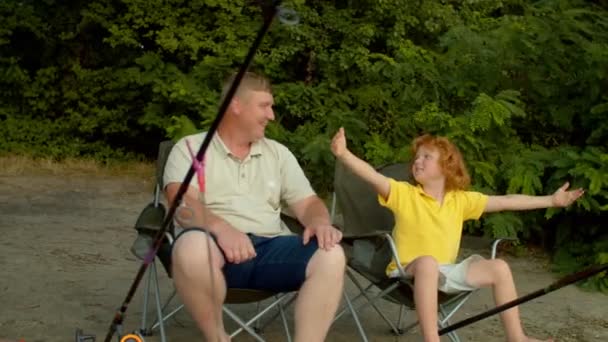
{"x":243,"y":176}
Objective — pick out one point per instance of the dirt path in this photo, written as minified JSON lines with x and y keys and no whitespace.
{"x":65,"y":263}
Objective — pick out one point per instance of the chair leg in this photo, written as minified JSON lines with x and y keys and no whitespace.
{"x":167,"y":316}
{"x":453,"y":336}
{"x":158,"y":321}
{"x":159,"y":311}
{"x":409,"y":327}
{"x":152,"y":282}
{"x":276,"y":314}
{"x":362,"y":293}
{"x":284,"y":320}
{"x":355,"y":317}
{"x":460,"y":300}
{"x":256,"y":324}
{"x":371,"y":301}
{"x":144,"y":315}
{"x":444,"y":320}
{"x":244,"y":325}
{"x":247,"y":325}
{"x":400,"y":319}
{"x":448,"y":309}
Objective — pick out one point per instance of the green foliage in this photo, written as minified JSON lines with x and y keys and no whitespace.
{"x":520,"y":87}
{"x":582,"y":247}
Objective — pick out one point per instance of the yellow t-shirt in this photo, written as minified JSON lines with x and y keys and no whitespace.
{"x":423,"y":227}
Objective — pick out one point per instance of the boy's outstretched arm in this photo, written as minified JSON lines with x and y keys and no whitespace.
{"x":362,"y":169}
{"x":561,"y":198}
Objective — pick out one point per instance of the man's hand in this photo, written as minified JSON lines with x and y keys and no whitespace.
{"x":563,"y":198}
{"x":338,"y":143}
{"x":327,"y":235}
{"x":236,"y":245}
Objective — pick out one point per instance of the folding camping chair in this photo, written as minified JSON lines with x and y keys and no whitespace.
{"x":147,"y":225}
{"x":369,"y":248}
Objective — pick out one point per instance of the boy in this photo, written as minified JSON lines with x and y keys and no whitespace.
{"x":428,"y":227}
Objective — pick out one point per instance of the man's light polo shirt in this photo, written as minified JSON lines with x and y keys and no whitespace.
{"x":250,"y":193}
{"x":425,"y":228}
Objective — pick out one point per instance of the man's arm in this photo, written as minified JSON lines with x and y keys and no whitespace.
{"x":203,"y":217}
{"x":313,"y":214}
{"x":561,"y":198}
{"x":237,"y":247}
{"x":311,"y":211}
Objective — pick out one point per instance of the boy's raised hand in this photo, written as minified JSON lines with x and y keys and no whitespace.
{"x":563,"y":198}
{"x":338,"y":143}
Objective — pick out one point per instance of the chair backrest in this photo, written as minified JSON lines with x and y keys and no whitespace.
{"x":151,"y":218}
{"x":358,"y":204}
{"x":361,"y":213}
{"x":357,"y":201}
{"x":164,"y":149}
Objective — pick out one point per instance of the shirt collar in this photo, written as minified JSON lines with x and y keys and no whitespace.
{"x":256,"y":147}
{"x":446,"y":197}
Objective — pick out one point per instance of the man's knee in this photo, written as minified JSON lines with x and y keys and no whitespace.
{"x":333,"y":261}
{"x":191,"y":253}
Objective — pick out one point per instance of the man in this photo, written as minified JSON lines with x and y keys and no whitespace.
{"x":248,"y":178}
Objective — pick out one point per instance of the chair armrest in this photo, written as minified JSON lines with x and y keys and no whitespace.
{"x":292,"y":223}
{"x":370,"y":235}
{"x":498,"y":241}
{"x":377,"y":236}
{"x":395,"y":255}
{"x":338,"y":226}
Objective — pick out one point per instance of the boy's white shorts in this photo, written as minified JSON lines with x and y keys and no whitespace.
{"x":452,"y":277}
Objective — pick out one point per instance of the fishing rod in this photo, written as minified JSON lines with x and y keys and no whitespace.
{"x":270,"y":9}
{"x":565,"y":281}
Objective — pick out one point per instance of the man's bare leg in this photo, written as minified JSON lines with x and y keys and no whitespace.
{"x":192,"y":277}
{"x":496,"y":273}
{"x":320,"y":295}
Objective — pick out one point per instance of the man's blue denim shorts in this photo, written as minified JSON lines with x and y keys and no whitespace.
{"x":279,"y":266}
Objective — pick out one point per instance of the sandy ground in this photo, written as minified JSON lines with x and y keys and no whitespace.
{"x":65,"y":264}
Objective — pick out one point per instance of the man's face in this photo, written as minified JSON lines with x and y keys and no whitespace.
{"x":255,"y":111}
{"x":426,"y":166}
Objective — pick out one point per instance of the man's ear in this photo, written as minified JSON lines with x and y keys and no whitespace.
{"x":236,"y":105}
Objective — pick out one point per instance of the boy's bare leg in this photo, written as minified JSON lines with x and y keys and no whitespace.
{"x":192,"y":277}
{"x":497,"y":274}
{"x":426,"y":276}
{"x":320,"y":295}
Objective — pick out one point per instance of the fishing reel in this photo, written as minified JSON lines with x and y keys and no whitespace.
{"x":133,"y":337}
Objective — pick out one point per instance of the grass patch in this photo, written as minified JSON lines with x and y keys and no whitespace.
{"x":13,"y":165}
